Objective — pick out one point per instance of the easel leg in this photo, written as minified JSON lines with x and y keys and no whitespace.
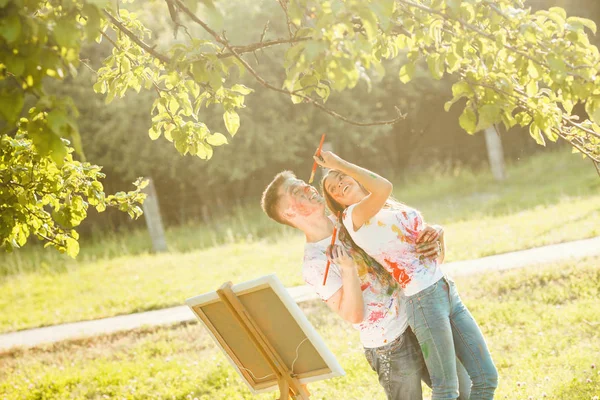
{"x":306,"y":390}
{"x":284,"y":389}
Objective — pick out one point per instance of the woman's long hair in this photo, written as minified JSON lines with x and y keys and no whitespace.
{"x":357,"y":254}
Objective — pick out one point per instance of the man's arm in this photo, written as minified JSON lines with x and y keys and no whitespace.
{"x":347,"y":302}
{"x":442,"y":253}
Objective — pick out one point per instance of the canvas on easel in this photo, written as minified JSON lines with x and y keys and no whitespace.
{"x":266,"y":336}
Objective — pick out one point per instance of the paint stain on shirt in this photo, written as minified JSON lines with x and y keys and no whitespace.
{"x":398,"y":273}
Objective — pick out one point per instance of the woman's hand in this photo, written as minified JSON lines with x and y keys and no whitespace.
{"x":340,"y":257}
{"x":329,"y":160}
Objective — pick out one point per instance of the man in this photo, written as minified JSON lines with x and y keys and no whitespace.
{"x":353,"y":291}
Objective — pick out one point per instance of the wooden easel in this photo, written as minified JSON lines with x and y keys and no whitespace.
{"x":289,"y":385}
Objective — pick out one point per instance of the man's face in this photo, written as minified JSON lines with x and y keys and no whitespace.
{"x":298,"y":200}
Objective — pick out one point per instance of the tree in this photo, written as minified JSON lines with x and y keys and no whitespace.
{"x":512,"y":66}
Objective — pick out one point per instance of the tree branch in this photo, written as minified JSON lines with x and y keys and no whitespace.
{"x":257,"y":46}
{"x":287,"y":17}
{"x":136,"y":40}
{"x":262,"y":81}
{"x":597,"y":165}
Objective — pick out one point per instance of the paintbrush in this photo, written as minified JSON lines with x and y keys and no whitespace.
{"x":332,"y":243}
{"x":315,"y":165}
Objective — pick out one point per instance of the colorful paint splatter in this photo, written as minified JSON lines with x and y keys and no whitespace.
{"x":385,"y":317}
{"x":390,"y":238}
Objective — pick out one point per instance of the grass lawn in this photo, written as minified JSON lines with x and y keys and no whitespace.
{"x":541,"y":325}
{"x":550,"y":198}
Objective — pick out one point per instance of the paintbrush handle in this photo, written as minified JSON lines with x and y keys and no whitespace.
{"x":315,"y":165}
{"x":332,"y":243}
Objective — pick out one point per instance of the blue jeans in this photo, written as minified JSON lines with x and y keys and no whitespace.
{"x":446,"y":330}
{"x":401,"y":368}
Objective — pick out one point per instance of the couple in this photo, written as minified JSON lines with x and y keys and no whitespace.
{"x":411,"y":320}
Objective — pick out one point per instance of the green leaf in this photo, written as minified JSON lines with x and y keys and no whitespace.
{"x":436,"y":65}
{"x":407,"y":72}
{"x":11,"y":104}
{"x":15,"y":64}
{"x":241,"y":89}
{"x":77,"y":143}
{"x":459,"y":90}
{"x":98,"y":3}
{"x":199,"y":71}
{"x":58,"y":122}
{"x":58,"y":149}
{"x":468,"y":120}
{"x":534,"y":70}
{"x":93,"y":19}
{"x":216,"y":139}
{"x":454,"y":5}
{"x":593,"y":110}
{"x":489,"y":114}
{"x":453,"y":61}
{"x":72,"y":247}
{"x":558,"y":11}
{"x":232,"y":122}
{"x":154,"y":133}
{"x":536,"y":133}
{"x":291,"y":54}
{"x":10,"y":27}
{"x":557,"y":63}
{"x":532,"y":88}
{"x":369,"y":22}
{"x":462,"y":88}
{"x":66,"y":33}
{"x":588,"y":23}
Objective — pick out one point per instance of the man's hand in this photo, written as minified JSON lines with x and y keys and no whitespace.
{"x":429,"y":241}
{"x":430,"y":234}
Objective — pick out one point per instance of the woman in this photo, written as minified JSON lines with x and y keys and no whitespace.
{"x":390,"y":232}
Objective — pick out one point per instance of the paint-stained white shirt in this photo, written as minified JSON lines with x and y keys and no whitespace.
{"x":390,"y":238}
{"x":385,"y":315}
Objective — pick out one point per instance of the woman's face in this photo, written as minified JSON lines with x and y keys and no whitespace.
{"x":344,"y":189}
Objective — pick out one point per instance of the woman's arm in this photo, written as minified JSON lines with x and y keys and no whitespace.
{"x":378,"y":187}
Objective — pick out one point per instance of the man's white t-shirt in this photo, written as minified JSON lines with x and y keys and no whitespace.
{"x":384,"y":314}
{"x":390,"y":238}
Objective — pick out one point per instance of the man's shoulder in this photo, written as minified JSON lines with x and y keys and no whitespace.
{"x":314,"y":252}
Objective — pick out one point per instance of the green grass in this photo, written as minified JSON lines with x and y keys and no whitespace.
{"x":481,"y":218}
{"x":541,"y":324}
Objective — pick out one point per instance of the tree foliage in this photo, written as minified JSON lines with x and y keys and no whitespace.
{"x":512,"y":66}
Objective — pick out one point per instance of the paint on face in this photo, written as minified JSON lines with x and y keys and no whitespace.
{"x":300,"y":208}
{"x":302,"y":199}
